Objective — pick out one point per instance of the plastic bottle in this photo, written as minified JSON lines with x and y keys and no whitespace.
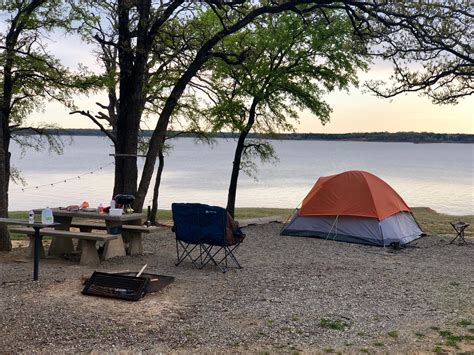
{"x":112,"y":204}
{"x":47,"y":216}
{"x":31,"y":216}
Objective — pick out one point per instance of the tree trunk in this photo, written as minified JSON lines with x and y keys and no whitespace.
{"x":154,"y":208}
{"x":5,"y":110}
{"x":132,"y":76}
{"x":239,"y":149}
{"x":5,"y":242}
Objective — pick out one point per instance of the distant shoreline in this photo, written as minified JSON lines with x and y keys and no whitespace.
{"x":402,"y":137}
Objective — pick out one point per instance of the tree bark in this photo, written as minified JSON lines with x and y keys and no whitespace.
{"x":5,"y":242}
{"x":239,"y":149}
{"x":156,"y":189}
{"x":5,"y":110}
{"x":132,"y":74}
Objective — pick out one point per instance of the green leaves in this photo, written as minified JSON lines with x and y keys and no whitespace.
{"x":290,"y":63}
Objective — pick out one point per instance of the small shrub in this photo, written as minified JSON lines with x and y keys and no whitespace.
{"x":364,"y":350}
{"x":379,"y":344}
{"x":445,"y":333}
{"x":393,"y":334}
{"x":464,"y":323}
{"x":450,"y":339}
{"x":438,"y":349}
{"x":295,"y":318}
{"x":420,"y":335}
{"x":333,"y":324}
{"x":328,"y":350}
{"x":434,"y":328}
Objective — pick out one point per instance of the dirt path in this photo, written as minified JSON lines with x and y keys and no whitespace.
{"x":293,"y":294}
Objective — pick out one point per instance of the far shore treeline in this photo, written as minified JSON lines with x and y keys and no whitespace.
{"x":413,"y":137}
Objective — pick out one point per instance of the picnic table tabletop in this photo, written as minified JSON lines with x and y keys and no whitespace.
{"x":62,"y":212}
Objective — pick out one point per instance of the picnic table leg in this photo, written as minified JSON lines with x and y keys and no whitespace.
{"x":135,"y":246}
{"x":89,"y":255}
{"x":114,"y":247}
{"x":37,"y":253}
{"x":31,"y":248}
{"x":60,"y":246}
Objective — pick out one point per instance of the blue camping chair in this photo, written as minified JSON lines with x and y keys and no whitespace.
{"x":205,"y":234}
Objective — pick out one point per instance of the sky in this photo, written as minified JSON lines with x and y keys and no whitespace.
{"x":353,"y":111}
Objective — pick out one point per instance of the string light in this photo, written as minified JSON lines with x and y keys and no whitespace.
{"x":66,"y":180}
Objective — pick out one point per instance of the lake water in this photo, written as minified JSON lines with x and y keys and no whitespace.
{"x":440,"y":176}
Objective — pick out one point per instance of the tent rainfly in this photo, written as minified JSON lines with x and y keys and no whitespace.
{"x":356,"y":207}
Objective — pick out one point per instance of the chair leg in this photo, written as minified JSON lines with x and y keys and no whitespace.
{"x":229,"y":252}
{"x":211,"y":256}
{"x":186,"y":253}
{"x":207,"y":253}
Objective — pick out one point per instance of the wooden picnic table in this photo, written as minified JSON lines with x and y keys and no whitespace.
{"x":113,"y":224}
{"x":36,"y":226}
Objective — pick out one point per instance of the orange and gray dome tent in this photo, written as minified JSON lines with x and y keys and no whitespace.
{"x":357,"y":207}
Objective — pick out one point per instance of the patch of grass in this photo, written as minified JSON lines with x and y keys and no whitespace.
{"x":438,"y":350}
{"x":269,"y":322}
{"x":295,"y":353}
{"x":364,"y":350}
{"x":264,"y":353}
{"x":464,"y":323}
{"x":361,"y":334}
{"x":454,"y":283}
{"x":433,"y":222}
{"x":445,"y":333}
{"x":419,"y":335}
{"x":434,"y":328}
{"x":468,"y":337}
{"x":393,"y":334}
{"x":348,"y":344}
{"x":295,"y":318}
{"x":333,"y":324}
{"x":246,"y":212}
{"x":379,"y":344}
{"x":328,"y":350}
{"x":450,"y":339}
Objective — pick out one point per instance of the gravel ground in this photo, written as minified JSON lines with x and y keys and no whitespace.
{"x":288,"y":296}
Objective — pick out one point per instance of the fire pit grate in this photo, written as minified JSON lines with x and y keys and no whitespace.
{"x":118,"y":286}
{"x":157,"y":282}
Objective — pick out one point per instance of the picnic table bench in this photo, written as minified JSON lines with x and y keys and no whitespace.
{"x":132,"y":234}
{"x":89,"y":254}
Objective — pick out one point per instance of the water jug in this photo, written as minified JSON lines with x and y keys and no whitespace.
{"x":47,"y":216}
{"x":31,"y":216}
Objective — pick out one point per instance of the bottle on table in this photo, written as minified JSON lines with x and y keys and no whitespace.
{"x":47,"y":216}
{"x":31,"y":216}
